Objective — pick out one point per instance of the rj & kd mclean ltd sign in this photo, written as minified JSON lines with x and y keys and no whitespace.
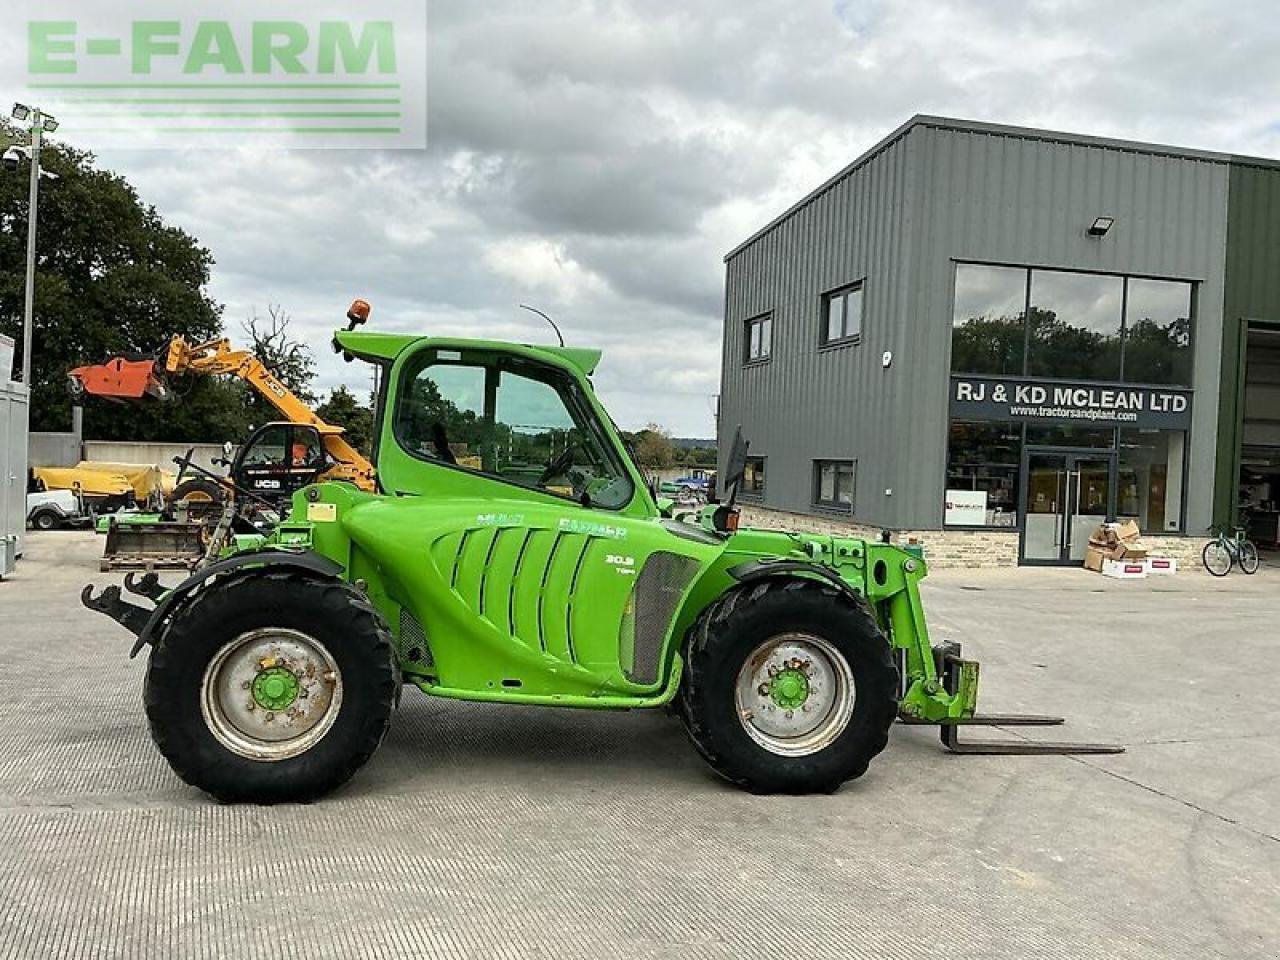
{"x":1021,"y":399}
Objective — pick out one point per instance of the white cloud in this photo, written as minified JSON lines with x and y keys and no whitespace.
{"x":542,"y":267}
{"x":599,"y":158}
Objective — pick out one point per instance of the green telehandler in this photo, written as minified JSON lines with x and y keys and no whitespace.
{"x":512,"y":554}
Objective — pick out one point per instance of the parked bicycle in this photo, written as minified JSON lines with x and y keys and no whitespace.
{"x":1228,"y":548}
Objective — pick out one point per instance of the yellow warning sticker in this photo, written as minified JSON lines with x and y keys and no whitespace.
{"x":322,"y":512}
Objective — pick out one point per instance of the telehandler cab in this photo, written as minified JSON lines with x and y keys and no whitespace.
{"x":512,"y":553}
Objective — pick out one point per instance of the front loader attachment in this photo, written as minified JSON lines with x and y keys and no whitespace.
{"x":152,"y":543}
{"x":952,"y":671}
{"x":118,"y":379}
{"x":939,"y":687}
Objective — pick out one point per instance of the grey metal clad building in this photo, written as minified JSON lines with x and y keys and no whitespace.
{"x":981,"y":328}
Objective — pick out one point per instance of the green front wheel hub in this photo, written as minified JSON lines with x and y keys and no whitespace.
{"x":789,"y":689}
{"x":275,"y":688}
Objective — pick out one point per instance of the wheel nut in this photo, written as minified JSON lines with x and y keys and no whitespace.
{"x":252,"y":705}
{"x":245,"y":685}
{"x":764,"y":690}
{"x":270,"y":717}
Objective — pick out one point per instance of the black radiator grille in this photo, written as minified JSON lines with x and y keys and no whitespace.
{"x":654,"y":602}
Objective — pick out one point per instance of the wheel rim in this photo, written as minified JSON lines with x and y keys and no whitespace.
{"x":1217,"y":559}
{"x":795,"y":694}
{"x":271,"y":694}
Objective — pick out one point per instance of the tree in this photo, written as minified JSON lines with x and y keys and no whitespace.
{"x":653,"y":448}
{"x":112,"y":278}
{"x":342,"y":409}
{"x":289,"y":360}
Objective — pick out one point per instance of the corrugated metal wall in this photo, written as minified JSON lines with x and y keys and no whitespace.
{"x":1007,"y":199}
{"x":936,"y":195}
{"x":838,"y":403}
{"x":1252,"y":293}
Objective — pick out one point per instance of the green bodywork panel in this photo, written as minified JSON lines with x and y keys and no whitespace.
{"x":502,"y":592}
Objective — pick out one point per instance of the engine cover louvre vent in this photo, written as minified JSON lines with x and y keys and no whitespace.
{"x":653,"y":604}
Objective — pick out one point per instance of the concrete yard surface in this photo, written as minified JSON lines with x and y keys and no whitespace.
{"x":483,"y":831}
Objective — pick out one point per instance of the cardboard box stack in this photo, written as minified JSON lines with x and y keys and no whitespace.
{"x":1116,"y":550}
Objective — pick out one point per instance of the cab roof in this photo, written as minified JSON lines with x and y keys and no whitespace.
{"x":377,"y":347}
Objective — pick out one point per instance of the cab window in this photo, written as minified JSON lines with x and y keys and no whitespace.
{"x":268,"y":449}
{"x":306,"y":449}
{"x":515,"y":420}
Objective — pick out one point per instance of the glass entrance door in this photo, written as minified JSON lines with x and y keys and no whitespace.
{"x":1066,"y":494}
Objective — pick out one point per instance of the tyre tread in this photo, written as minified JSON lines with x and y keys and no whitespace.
{"x":336,"y":599}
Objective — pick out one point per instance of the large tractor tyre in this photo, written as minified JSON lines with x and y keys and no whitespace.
{"x":789,"y":687}
{"x":201,"y":495}
{"x":272,"y":687}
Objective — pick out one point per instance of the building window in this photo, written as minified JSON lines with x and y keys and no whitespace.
{"x":983,"y":464}
{"x":988,"y":325}
{"x":842,"y":315}
{"x":1157,"y":340}
{"x":1151,"y":479}
{"x":1075,"y":325}
{"x":833,"y":484}
{"x":1057,"y":324}
{"x":759,"y":338}
{"x":753,"y":477}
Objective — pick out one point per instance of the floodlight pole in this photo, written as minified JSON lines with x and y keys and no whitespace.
{"x":33,"y":202}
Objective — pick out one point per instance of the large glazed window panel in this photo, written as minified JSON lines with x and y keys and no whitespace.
{"x":1157,"y":347}
{"x":986,"y":458}
{"x":987,"y":329}
{"x":1075,"y":325}
{"x":1152,"y":479}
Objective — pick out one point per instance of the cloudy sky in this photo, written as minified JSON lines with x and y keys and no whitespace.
{"x":598,"y":159}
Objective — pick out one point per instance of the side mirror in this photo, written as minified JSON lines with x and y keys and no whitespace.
{"x":736,"y":468}
{"x":227,"y":448}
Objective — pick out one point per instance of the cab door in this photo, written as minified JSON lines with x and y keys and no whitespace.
{"x":541,"y":581}
{"x":278,"y":460}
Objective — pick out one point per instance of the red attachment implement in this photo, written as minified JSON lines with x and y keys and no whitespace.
{"x":119,"y":378}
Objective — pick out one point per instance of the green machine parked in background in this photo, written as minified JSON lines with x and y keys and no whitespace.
{"x":513,"y":554}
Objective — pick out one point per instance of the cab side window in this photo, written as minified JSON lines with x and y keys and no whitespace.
{"x":519,"y":422}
